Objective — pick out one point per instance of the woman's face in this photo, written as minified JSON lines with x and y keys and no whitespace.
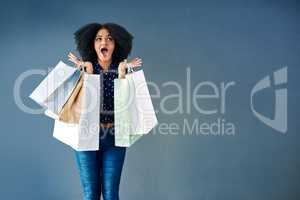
{"x":104,"y":45}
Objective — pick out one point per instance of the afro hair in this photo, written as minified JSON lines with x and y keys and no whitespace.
{"x":85,"y":36}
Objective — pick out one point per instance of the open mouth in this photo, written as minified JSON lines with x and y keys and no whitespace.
{"x":104,"y":51}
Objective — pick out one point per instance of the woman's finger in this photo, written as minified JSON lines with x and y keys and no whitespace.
{"x":70,"y":59}
{"x":136,"y":64}
{"x":138,"y":61}
{"x":75,"y":62}
{"x":135,"y":61}
{"x":71,"y":55}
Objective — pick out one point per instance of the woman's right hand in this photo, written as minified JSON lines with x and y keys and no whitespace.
{"x":79,"y":63}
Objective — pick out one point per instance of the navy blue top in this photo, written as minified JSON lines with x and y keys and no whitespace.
{"x":106,"y":91}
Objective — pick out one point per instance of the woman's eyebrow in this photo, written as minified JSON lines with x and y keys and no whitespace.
{"x":101,"y":35}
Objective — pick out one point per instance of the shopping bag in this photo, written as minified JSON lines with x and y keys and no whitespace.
{"x":133,"y":109}
{"x":53,"y":92}
{"x":72,"y":98}
{"x":70,"y":112}
{"x":84,"y":134}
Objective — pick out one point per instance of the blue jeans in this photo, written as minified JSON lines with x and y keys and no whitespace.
{"x":100,"y":171}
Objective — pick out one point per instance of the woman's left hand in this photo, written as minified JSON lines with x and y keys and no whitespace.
{"x":136,"y":62}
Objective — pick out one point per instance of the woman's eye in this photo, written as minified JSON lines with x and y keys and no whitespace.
{"x":106,"y":39}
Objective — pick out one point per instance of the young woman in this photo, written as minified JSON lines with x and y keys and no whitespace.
{"x":104,"y":49}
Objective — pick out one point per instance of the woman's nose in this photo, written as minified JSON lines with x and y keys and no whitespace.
{"x":104,"y":41}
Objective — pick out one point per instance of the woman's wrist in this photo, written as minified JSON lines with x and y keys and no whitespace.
{"x":121,"y":73}
{"x":122,"y":69}
{"x":82,"y":64}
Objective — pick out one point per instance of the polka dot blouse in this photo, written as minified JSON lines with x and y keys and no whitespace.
{"x":107,"y":91}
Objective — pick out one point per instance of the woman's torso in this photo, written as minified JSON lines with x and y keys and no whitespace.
{"x":106,"y":92}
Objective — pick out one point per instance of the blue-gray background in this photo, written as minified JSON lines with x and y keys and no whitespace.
{"x":220,"y":41}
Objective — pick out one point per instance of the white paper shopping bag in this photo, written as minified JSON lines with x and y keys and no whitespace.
{"x":53,"y":92}
{"x":83,"y":136}
{"x":134,"y":112}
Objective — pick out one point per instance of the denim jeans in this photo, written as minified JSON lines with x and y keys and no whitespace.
{"x":100,"y":171}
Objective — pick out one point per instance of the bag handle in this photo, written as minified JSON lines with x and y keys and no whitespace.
{"x":83,"y":67}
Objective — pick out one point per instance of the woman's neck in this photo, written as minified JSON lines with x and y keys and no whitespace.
{"x":104,"y":65}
